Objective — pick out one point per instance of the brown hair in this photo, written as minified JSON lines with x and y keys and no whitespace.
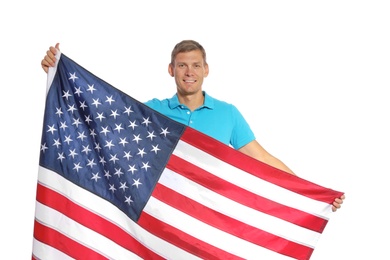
{"x":186,"y":46}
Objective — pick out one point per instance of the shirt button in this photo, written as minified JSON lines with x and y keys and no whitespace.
{"x":188,"y":112}
{"x":191,"y":122}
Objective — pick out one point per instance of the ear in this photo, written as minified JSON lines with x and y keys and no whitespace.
{"x":206,"y":70}
{"x":170,"y":70}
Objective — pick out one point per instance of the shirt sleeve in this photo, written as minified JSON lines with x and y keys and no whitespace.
{"x":242,"y":134}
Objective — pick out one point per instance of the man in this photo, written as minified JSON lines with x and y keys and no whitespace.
{"x":194,"y":107}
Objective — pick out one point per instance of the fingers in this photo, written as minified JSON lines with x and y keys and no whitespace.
{"x":50,"y":60}
{"x":337,"y":203}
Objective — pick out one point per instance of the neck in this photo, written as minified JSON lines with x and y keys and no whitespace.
{"x":192,"y":101}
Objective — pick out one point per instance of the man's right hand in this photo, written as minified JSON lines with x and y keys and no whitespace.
{"x":50,"y":58}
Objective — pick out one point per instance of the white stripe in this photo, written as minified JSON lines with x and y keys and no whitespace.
{"x":75,"y":231}
{"x":46,"y":252}
{"x":249,"y":182}
{"x":209,"y":234}
{"x":238,"y":211}
{"x":111,"y":213}
{"x":52,"y":72}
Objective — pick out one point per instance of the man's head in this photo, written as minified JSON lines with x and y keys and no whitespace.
{"x":189,"y":68}
{"x":187,"y":46}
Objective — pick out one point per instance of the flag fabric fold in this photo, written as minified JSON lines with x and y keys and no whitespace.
{"x":118,"y":180}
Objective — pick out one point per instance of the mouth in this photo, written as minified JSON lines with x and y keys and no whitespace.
{"x":189,"y":81}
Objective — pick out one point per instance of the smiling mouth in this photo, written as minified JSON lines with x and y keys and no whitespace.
{"x":189,"y":81}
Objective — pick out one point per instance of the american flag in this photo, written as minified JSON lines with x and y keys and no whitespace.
{"x":118,"y":180}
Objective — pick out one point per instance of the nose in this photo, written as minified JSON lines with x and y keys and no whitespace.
{"x":189,"y":70}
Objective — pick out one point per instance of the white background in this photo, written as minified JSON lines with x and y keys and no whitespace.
{"x":311,"y":77}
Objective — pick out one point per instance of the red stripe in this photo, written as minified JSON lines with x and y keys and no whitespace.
{"x":230,"y":225}
{"x":81,"y":215}
{"x":63,"y":243}
{"x":245,"y":197}
{"x":257,"y":168}
{"x":182,"y":240}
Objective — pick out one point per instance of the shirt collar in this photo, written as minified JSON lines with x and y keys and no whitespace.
{"x":208,"y":101}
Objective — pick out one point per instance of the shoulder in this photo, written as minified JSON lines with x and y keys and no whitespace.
{"x":221,"y":105}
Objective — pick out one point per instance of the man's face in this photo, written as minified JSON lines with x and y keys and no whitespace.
{"x":189,"y":71}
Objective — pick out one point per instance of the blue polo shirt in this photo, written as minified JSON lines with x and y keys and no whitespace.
{"x":216,"y":118}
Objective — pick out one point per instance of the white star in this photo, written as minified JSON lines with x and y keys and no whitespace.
{"x":78,"y":91}
{"x":96,"y":102}
{"x":109,"y":144}
{"x":132,"y":169}
{"x":59,"y":111}
{"x":123,"y":141}
{"x":107,"y":175}
{"x":60,"y":156}
{"x":57,"y":142}
{"x":112,"y":188}
{"x":118,"y":127}
{"x":88,"y":119}
{"x":73,"y":153}
{"x":100,"y":116}
{"x":128,"y":110}
{"x":164,"y":131}
{"x":73,"y":76}
{"x":91,"y":163}
{"x":110,"y":100}
{"x":113,"y":158}
{"x":63,"y":125}
{"x":105,"y":130}
{"x":123,"y":186}
{"x":97,"y":146}
{"x":81,"y":136}
{"x":141,"y":152}
{"x":66,"y":94}
{"x":71,"y":108}
{"x":95,"y":177}
{"x":137,"y":138}
{"x":145,"y":166}
{"x":128,"y":200}
{"x":91,"y":88}
{"x":76,"y":122}
{"x":118,"y":172}
{"x":102,"y":160}
{"x":151,"y":135}
{"x":155,"y":149}
{"x":136,"y":183}
{"x":77,"y":167}
{"x":127,"y":155}
{"x":51,"y":129}
{"x":133,"y":124}
{"x":86,"y":149}
{"x":146,"y":121}
{"x":44,"y":147}
{"x":68,"y":139}
{"x":114,"y":113}
{"x":83,"y":105}
{"x":92,"y":132}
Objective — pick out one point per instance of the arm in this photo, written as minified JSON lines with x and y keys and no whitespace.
{"x":49,"y":60}
{"x":255,"y":150}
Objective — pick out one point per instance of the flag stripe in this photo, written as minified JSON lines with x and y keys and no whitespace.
{"x":244,"y":196}
{"x":44,"y":251}
{"x":230,"y":225}
{"x":101,"y":207}
{"x":92,"y":221}
{"x":181,"y":239}
{"x":276,"y":190}
{"x":264,"y":171}
{"x":63,"y":243}
{"x":248,"y":217}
